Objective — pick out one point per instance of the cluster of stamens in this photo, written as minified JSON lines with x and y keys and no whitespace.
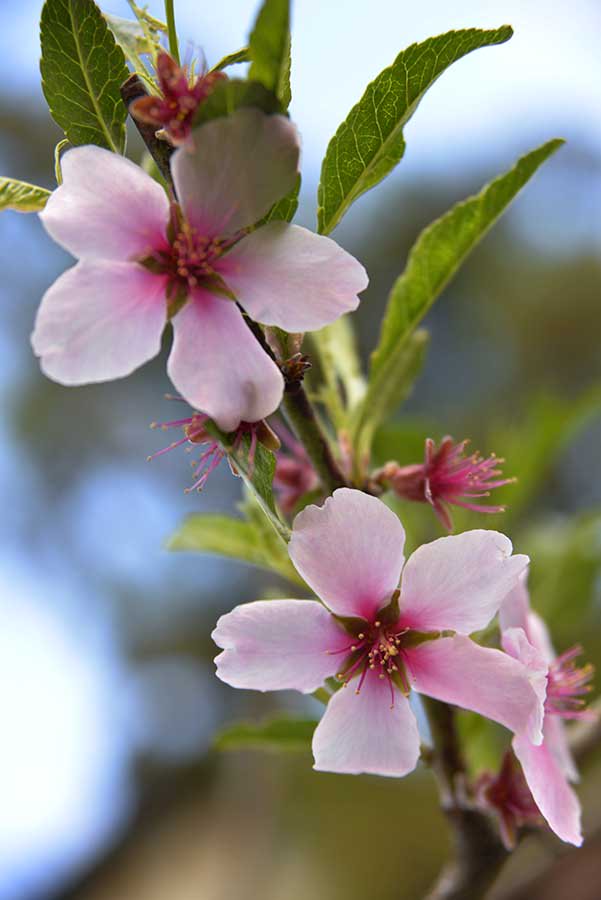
{"x":195,"y":434}
{"x":193,"y":255}
{"x":568,"y":685}
{"x":377,"y":649}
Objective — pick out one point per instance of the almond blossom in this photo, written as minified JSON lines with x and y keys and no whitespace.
{"x":548,"y":767}
{"x":143,"y":260}
{"x":447,"y":477}
{"x":383,"y":640}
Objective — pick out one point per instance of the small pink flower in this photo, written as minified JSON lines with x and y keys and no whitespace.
{"x":181,"y":96}
{"x":350,"y":552}
{"x":446,"y":478}
{"x":548,"y":767}
{"x":507,"y":794}
{"x":294,"y":475}
{"x":140,"y":260}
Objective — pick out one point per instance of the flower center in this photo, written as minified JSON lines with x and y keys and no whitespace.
{"x":193,"y":256}
{"x":567,"y":686}
{"x":378,"y":649}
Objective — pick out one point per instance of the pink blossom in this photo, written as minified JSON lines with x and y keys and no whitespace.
{"x":447,"y":477}
{"x":384,"y":641}
{"x":548,"y":767}
{"x":143,"y":260}
{"x":181,"y":95}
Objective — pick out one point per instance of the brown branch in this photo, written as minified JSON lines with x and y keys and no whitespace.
{"x":161,"y":151}
{"x":479,"y":854}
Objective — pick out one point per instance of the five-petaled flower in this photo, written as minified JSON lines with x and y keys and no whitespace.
{"x":142,"y":260}
{"x":379,"y":643}
{"x":181,"y":95}
{"x":447,"y":477}
{"x":548,"y":767}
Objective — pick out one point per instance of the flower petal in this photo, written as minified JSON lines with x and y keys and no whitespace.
{"x":553,"y":795}
{"x":349,"y":551}
{"x":556,"y":739}
{"x":218,"y":365}
{"x":106,"y":208}
{"x":287,"y":276}
{"x":361,"y":733}
{"x":516,"y":606}
{"x":458,"y":582}
{"x":233,"y":169}
{"x":456,"y":670}
{"x":273,"y":645}
{"x":100,"y":320}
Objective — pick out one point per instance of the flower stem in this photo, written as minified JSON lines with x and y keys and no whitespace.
{"x":479,"y":853}
{"x":172,"y":33}
{"x":131,"y":89}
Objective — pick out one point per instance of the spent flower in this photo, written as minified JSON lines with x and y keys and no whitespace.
{"x":181,"y":93}
{"x":447,"y":477}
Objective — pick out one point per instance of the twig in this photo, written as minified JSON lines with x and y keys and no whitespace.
{"x":479,"y":853}
{"x":132,"y":89}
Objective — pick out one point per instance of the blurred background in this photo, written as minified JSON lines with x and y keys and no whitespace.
{"x":109,"y":787}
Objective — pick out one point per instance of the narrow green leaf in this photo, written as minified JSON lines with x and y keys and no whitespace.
{"x":228,"y":96}
{"x":130,"y":36}
{"x":22,"y":197}
{"x":439,"y":251}
{"x":82,"y":70}
{"x":384,"y":395}
{"x":238,"y":56}
{"x":276,"y":734}
{"x":269,"y":48}
{"x":370,"y":142}
{"x":344,"y":383}
{"x":236,"y":539}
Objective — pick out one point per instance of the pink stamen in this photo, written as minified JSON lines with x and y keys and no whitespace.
{"x":567,"y":685}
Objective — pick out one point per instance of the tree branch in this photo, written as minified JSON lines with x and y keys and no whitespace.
{"x":479,"y":854}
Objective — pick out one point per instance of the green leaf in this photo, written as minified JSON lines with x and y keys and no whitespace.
{"x":228,"y":96}
{"x":439,"y":251}
{"x":239,"y":56}
{"x":269,"y":48}
{"x":275,"y":734}
{"x":22,"y":197}
{"x":236,"y":539}
{"x":384,"y":395}
{"x":82,"y":70}
{"x":344,"y":383}
{"x":130,"y":36}
{"x":370,"y":142}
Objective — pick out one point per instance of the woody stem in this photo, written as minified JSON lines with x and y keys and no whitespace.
{"x":479,"y":854}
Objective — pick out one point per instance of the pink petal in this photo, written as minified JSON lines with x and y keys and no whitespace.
{"x":276,"y":645}
{"x":458,"y":582}
{"x":456,"y":670}
{"x":556,"y":739}
{"x":349,"y":551}
{"x":234,"y":169}
{"x":554,"y":797}
{"x":100,"y":320}
{"x":287,"y":276}
{"x":106,"y":208}
{"x":539,"y":636}
{"x":516,"y":606}
{"x":361,"y":733}
{"x":218,"y":365}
